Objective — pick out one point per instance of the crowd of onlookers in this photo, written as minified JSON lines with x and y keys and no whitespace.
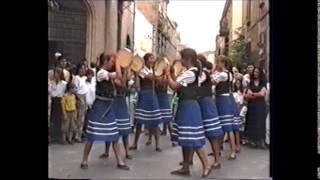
{"x":254,"y":112}
{"x":71,"y":92}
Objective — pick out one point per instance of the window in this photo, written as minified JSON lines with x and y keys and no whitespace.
{"x":248,"y":12}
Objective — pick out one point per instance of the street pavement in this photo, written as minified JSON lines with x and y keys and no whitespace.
{"x":64,"y":162}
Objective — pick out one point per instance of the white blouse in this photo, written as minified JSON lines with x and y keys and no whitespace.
{"x":57,"y":89}
{"x":202,"y":78}
{"x":81,"y":85}
{"x":91,"y":94}
{"x":187,"y":77}
{"x":145,"y":71}
{"x":104,"y":75}
{"x":220,"y":77}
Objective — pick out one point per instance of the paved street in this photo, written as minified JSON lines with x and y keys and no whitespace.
{"x":64,"y":162}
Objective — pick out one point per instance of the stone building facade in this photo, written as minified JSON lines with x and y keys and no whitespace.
{"x":255,"y":20}
{"x":86,"y":28}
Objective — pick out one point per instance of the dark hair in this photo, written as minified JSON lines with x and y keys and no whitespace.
{"x":147,"y":56}
{"x":105,"y":57}
{"x":235,"y":88}
{"x":226,"y":61}
{"x":204,"y":62}
{"x":93,"y":65}
{"x":83,"y":59}
{"x":60,"y":58}
{"x":201,"y":57}
{"x":90,"y":71}
{"x":191,"y":56}
{"x":73,"y":69}
{"x":79,"y":66}
{"x":70,"y":85}
{"x":262,"y":77}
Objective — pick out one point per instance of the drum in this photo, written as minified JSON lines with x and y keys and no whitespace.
{"x":137,"y":63}
{"x":177,"y":67}
{"x":160,"y":65}
{"x":124,"y":57}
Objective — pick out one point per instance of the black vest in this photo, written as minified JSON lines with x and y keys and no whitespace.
{"x":206,"y":87}
{"x":191,"y":91}
{"x":105,"y":89}
{"x":161,"y":89}
{"x":121,"y":91}
{"x":145,"y":84}
{"x":224,"y":87}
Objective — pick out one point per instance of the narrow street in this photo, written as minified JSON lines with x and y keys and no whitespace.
{"x":146,"y":163}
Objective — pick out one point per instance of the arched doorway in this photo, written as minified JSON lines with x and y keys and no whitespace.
{"x":67,"y":30}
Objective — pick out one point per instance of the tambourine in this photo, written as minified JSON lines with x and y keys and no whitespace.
{"x":137,"y":63}
{"x":124,"y":57}
{"x":160,"y":65}
{"x":177,"y":67}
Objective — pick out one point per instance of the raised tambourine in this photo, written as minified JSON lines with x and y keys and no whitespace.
{"x":124,"y":57}
{"x":137,"y":63}
{"x":177,"y":67}
{"x":160,"y":65}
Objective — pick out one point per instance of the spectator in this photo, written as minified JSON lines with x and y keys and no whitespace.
{"x":57,"y":88}
{"x":246,"y":77}
{"x":69,"y":114}
{"x":256,"y":115}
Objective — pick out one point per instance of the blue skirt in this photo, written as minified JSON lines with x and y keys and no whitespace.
{"x":148,"y":111}
{"x":188,"y":129}
{"x":225,"y":112}
{"x":122,"y":116}
{"x":211,"y":122}
{"x":165,"y":108}
{"x":237,"y":118}
{"x":102,"y":127}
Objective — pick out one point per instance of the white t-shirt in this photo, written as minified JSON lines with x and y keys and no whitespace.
{"x":57,"y":89}
{"x":187,"y":77}
{"x":246,"y":80}
{"x":80,"y":83}
{"x":91,"y":94}
{"x":145,"y":71}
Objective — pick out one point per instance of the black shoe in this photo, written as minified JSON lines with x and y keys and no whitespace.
{"x":218,"y":166}
{"x":180,"y":172}
{"x":84,"y":166}
{"x":158,"y":149}
{"x":123,"y":167}
{"x":104,"y":156}
{"x":128,"y":157}
{"x":148,"y":143}
{"x":181,"y":163}
{"x":210,"y":154}
{"x":133,"y":148}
